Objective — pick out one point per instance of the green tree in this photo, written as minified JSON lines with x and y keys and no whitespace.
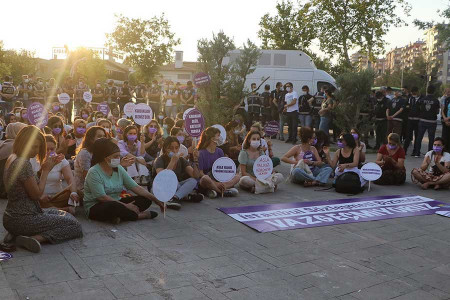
{"x":148,"y":44}
{"x":442,"y":27}
{"x":16,"y":62}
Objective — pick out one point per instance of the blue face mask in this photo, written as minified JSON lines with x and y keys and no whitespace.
{"x":171,"y":154}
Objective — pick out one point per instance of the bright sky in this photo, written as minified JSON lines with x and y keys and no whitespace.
{"x":41,"y":25}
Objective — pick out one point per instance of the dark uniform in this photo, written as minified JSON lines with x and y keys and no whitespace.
{"x":380,"y":121}
{"x":428,"y":109}
{"x":412,"y":119}
{"x":141,"y":92}
{"x":154,"y":101}
{"x":254,"y":108}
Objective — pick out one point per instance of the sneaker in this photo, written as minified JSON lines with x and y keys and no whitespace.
{"x":231,"y":192}
{"x":212,"y":194}
{"x":174,"y":203}
{"x":28,"y":243}
{"x":195,"y":198}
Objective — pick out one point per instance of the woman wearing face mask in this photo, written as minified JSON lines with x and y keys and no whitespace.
{"x":186,"y":175}
{"x":24,"y":116}
{"x":84,"y":114}
{"x":120,"y":128}
{"x":266,"y":143}
{"x":179,"y":135}
{"x":391,"y":159}
{"x":153,"y":139}
{"x":17,"y":114}
{"x":77,"y":134}
{"x":346,"y":158}
{"x":435,"y":168}
{"x":97,"y":115}
{"x":24,"y":218}
{"x":361,"y":146}
{"x":170,"y":97}
{"x":131,"y":146}
{"x":317,"y":172}
{"x":104,"y":183}
{"x":56,"y":124}
{"x":106,"y":125}
{"x":232,"y":148}
{"x":168,"y":123}
{"x":240,"y":129}
{"x":251,"y":151}
{"x":208,"y":153}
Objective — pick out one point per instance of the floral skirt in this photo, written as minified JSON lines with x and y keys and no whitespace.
{"x":428,"y":178}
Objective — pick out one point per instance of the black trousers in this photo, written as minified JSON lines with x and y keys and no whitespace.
{"x":381,"y":131}
{"x":446,"y":134}
{"x":107,"y":211}
{"x":412,"y":130}
{"x":292,"y":121}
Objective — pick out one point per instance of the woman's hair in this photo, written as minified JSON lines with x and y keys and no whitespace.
{"x":349,"y":140}
{"x":167,"y":142}
{"x":358,"y":142}
{"x":246,"y":144}
{"x":322,"y":138}
{"x":123,"y":123}
{"x":50,"y":139}
{"x":179,"y":123}
{"x":306,"y":134}
{"x":175,"y":131}
{"x":179,"y":116}
{"x":394,"y":137}
{"x":25,"y":139}
{"x":158,"y":128}
{"x":125,"y":132}
{"x":207,"y":136}
{"x":84,"y":110}
{"x":8,"y":118}
{"x":231,"y":125}
{"x":100,"y":121}
{"x":55,"y":120}
{"x":13,"y":129}
{"x":443,"y":143}
{"x":88,"y":140}
{"x":257,"y":125}
{"x":169,"y":121}
{"x":77,"y":122}
{"x":103,"y":148}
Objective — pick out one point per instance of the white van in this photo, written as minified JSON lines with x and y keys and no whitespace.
{"x":285,"y":66}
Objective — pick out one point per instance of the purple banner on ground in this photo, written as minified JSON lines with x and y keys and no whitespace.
{"x":285,"y":216}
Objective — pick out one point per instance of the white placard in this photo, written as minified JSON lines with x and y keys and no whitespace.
{"x":186,"y":112}
{"x":223,"y":133}
{"x":263,"y":167}
{"x":371,"y":172}
{"x":142,"y":114}
{"x":224,"y":169}
{"x":87,"y":96}
{"x":128,"y":109}
{"x":165,"y":185}
{"x":64,"y":98}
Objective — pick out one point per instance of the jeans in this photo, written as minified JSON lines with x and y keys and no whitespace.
{"x":171,"y":111}
{"x":282,"y":120}
{"x":305,"y":120}
{"x":325,"y":125}
{"x":425,"y":126}
{"x":155,"y":108}
{"x":108,"y":211}
{"x":412,"y":130}
{"x":185,"y":187}
{"x":316,"y":122}
{"x":320,"y":174}
{"x":292,"y":120}
{"x":380,"y":130}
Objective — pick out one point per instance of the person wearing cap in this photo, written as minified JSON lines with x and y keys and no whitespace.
{"x":104,"y":184}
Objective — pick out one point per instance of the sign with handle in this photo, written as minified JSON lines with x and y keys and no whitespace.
{"x":263,"y":167}
{"x":224,"y":169}
{"x":87,"y":96}
{"x":63,"y":98}
{"x":142,"y":114}
{"x":165,"y":186}
{"x":371,"y":172}
{"x":37,"y":114}
{"x":194,"y":123}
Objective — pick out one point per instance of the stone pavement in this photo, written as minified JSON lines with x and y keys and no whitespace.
{"x":201,"y":253}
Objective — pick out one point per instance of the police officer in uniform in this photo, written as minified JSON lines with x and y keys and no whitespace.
{"x":25,"y":89}
{"x":125,"y":95}
{"x":154,"y":97}
{"x":98,"y":93}
{"x":380,"y":108}
{"x":412,"y":108}
{"x":187,"y":96}
{"x":254,"y":106}
{"x":111,"y":93}
{"x":141,"y":93}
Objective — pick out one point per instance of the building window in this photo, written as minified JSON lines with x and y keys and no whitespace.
{"x":279,"y":59}
{"x":184,"y":76}
{"x":265,"y":59}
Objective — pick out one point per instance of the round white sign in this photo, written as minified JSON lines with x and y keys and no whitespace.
{"x":371,"y":171}
{"x":263,"y":167}
{"x":186,"y":112}
{"x":142,"y":114}
{"x":224,"y":169}
{"x":64,"y":98}
{"x":87,"y":96}
{"x":223,"y":133}
{"x":165,"y":185}
{"x":128,"y":109}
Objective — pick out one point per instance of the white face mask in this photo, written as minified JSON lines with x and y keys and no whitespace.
{"x":17,"y":114}
{"x":107,"y":130}
{"x":115,"y":162}
{"x":255,"y":144}
{"x":236,"y":132}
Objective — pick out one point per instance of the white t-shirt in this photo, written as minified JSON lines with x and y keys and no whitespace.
{"x":55,"y":178}
{"x":289,"y":98}
{"x":445,"y":158}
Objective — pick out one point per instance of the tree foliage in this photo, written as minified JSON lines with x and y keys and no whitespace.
{"x":16,"y":62}
{"x":443,"y":29}
{"x":148,"y":44}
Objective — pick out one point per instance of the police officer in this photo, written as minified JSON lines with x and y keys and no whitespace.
{"x":141,"y":93}
{"x":25,"y":90}
{"x":187,"y":96}
{"x":98,"y":93}
{"x":111,"y":93}
{"x":254,"y":106}
{"x":154,"y":97}
{"x":380,"y":108}
{"x":412,"y":118}
{"x":125,"y":95}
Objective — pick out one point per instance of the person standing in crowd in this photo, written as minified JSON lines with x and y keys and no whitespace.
{"x":208,"y":153}
{"x":39,"y":91}
{"x":111,"y":93}
{"x":52,"y":91}
{"x":23,"y":217}
{"x":7,"y":94}
{"x":380,"y":119}
{"x":405,"y":95}
{"x":104,"y":183}
{"x":277,"y":96}
{"x":316,"y":172}
{"x":125,"y":95}
{"x":80,"y":89}
{"x":178,"y":98}
{"x":316,"y":103}
{"x":274,"y":97}
{"x":391,"y":159}
{"x":304,"y":109}
{"x":141,"y":93}
{"x":266,"y":105}
{"x":154,"y":98}
{"x":254,"y":105}
{"x":326,"y":111}
{"x":428,"y":110}
{"x":169,"y":98}
{"x":98,"y":92}
{"x":187,"y":97}
{"x":69,"y":89}
{"x":25,"y":90}
{"x":389,"y":93}
{"x":412,"y":129}
{"x":435,"y":168}
{"x":291,"y":109}
{"x":445,"y":112}
{"x":394,"y":113}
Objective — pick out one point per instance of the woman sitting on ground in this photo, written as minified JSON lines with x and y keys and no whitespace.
{"x":232,"y":148}
{"x":435,"y":168}
{"x":23,"y":216}
{"x":346,"y":158}
{"x":322,"y":142}
{"x":77,"y":134}
{"x":131,"y":146}
{"x":308,"y":167}
{"x":266,"y":145}
{"x":171,"y":159}
{"x":391,"y":159}
{"x":252,"y":150}
{"x":361,"y":146}
{"x":168,"y":123}
{"x":120,"y":128}
{"x":105,"y":182}
{"x":179,"y":135}
{"x":153,"y":138}
{"x":208,"y":152}
{"x":106,"y":125}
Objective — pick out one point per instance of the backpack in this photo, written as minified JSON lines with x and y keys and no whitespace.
{"x":348,"y":183}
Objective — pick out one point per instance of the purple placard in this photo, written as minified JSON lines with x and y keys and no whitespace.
{"x":104,"y":108}
{"x":194,"y":123}
{"x":37,"y":114}
{"x":272,"y":128}
{"x":286,"y":216}
{"x":202,"y":79}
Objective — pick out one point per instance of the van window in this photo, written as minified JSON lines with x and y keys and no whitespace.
{"x":279,"y":59}
{"x":322,"y":83}
{"x":264,"y":59}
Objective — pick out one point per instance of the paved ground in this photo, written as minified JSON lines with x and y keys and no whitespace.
{"x":200,"y":253}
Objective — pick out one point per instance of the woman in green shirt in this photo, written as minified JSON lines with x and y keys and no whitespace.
{"x":105,"y":182}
